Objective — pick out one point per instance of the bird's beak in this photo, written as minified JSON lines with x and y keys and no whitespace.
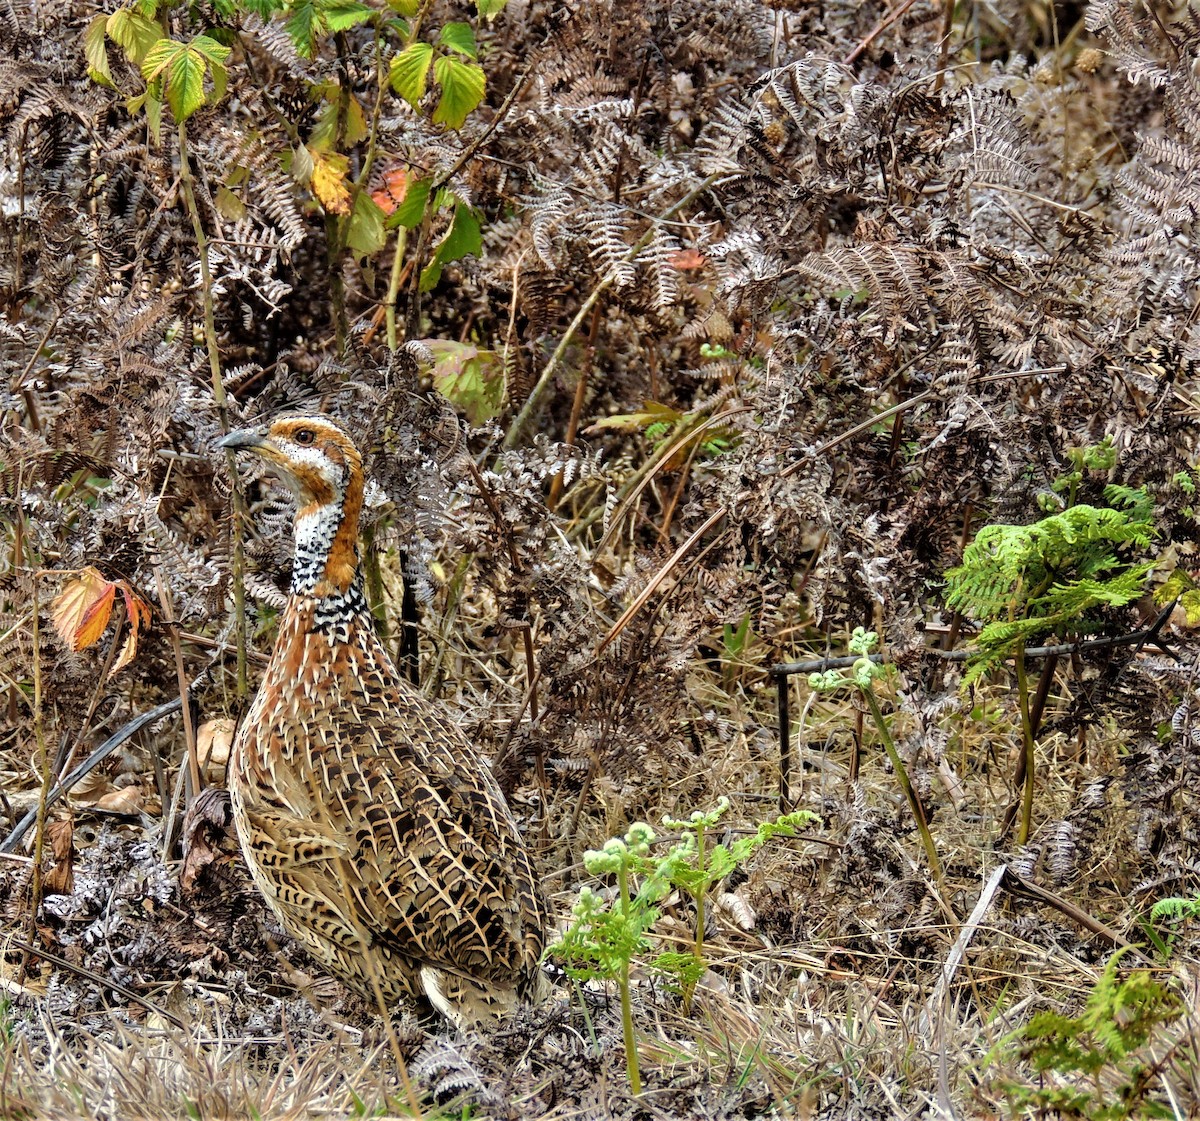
{"x":242,"y":438}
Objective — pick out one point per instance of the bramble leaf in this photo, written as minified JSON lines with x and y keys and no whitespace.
{"x":468,"y":377}
{"x":459,"y":37}
{"x":83,"y":608}
{"x":343,"y":14}
{"x":96,"y":52}
{"x":464,"y":238}
{"x":366,"y":234}
{"x":463,"y":85}
{"x":409,"y":72}
{"x":328,"y":181}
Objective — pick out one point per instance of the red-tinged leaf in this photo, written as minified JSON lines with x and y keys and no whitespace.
{"x":139,"y":614}
{"x":82,"y":609}
{"x":95,"y":619}
{"x":392,"y":191}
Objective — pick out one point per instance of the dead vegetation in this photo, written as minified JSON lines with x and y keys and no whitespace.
{"x":770,"y":311}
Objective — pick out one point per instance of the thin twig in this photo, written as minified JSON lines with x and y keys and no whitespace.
{"x":658,"y":578}
{"x":818,"y":665}
{"x":220,"y":400}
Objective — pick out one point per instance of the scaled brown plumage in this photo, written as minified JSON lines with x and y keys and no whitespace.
{"x":369,"y":823}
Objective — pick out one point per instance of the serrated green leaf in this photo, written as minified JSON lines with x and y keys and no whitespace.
{"x":185,"y":84}
{"x":470,"y":378}
{"x":210,"y":48}
{"x":366,"y":235}
{"x":159,"y":57}
{"x":220,"y":78}
{"x":410,"y":212}
{"x":490,"y":9}
{"x":459,"y":37}
{"x":96,"y":52}
{"x":462,"y":85}
{"x":342,"y":14}
{"x":302,"y":27}
{"x":154,"y":111}
{"x":133,"y":32}
{"x":463,"y":238}
{"x":229,"y":205}
{"x":406,"y":8}
{"x":264,"y":9}
{"x":409,"y":72}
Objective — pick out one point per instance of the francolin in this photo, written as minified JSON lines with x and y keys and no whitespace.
{"x":370,"y":824}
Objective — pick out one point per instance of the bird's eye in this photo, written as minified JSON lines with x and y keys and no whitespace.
{"x":305,"y":436}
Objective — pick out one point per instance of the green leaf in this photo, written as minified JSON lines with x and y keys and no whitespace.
{"x":134,"y":32}
{"x":159,"y":57}
{"x":406,"y":8}
{"x":153,"y":99}
{"x":96,"y":52}
{"x":463,"y":238}
{"x":458,"y":37}
{"x":410,"y":212}
{"x":264,"y":9}
{"x":469,"y":378}
{"x":409,"y":71}
{"x":490,"y":9}
{"x":302,"y":27}
{"x":229,"y":205}
{"x":185,"y":84}
{"x":462,"y":85}
{"x":342,"y":14}
{"x":366,"y":235}
{"x":212,"y":50}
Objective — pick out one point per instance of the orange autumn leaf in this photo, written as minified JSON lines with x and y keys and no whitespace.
{"x":82,"y":609}
{"x":328,"y":181}
{"x":138,"y":611}
{"x":392,"y":192}
{"x":684,"y":259}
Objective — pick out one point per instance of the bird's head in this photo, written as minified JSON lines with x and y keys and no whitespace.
{"x":312,"y":455}
{"x":315,"y":457}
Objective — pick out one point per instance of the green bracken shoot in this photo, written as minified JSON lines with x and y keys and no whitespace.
{"x":696,"y":865}
{"x":862,"y":676}
{"x":1096,"y":1066}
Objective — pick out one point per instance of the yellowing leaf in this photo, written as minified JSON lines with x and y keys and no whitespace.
{"x":328,"y":181}
{"x":652,"y":413}
{"x":82,"y":609}
{"x":96,"y":52}
{"x":462,"y":85}
{"x":409,"y":71}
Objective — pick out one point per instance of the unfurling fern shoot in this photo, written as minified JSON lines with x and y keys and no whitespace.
{"x":1029,"y":581}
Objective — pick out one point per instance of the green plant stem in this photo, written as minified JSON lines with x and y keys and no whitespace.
{"x":1029,"y":746}
{"x":698,"y":900}
{"x":631,"y":1056}
{"x":222,"y":403}
{"x":389,"y":305}
{"x":374,"y":575}
{"x":918,"y":811}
